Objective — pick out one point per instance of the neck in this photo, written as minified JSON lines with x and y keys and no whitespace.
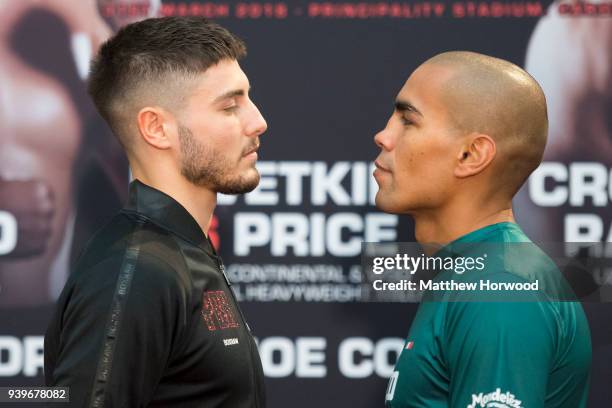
{"x":199,"y":201}
{"x":444,"y":225}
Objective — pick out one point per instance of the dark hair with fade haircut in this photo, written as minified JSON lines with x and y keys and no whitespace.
{"x":149,"y":54}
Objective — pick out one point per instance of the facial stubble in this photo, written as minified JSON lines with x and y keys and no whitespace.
{"x":207,"y":167}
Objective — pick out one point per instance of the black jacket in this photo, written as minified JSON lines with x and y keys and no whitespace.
{"x":147,"y":318}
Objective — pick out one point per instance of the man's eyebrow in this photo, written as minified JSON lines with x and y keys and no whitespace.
{"x":230,"y":94}
{"x":405,"y":106}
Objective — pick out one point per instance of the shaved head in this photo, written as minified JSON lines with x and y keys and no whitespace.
{"x":492,"y":96}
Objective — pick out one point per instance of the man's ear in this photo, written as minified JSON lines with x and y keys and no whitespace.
{"x":154,"y":124}
{"x":475,"y":155}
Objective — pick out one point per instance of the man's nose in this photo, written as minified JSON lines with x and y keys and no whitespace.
{"x":383,"y":140}
{"x":256,"y":124}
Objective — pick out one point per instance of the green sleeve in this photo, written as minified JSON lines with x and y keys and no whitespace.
{"x":499,"y":352}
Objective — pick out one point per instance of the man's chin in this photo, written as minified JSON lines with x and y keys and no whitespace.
{"x":243,"y":185}
{"x":381,"y":203}
{"x":385,"y":204}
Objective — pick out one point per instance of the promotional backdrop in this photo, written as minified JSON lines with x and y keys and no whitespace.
{"x":324,"y":75}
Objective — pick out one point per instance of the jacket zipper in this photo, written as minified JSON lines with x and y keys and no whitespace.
{"x":249,"y":332}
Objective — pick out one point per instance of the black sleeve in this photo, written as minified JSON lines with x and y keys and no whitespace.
{"x":119,"y":325}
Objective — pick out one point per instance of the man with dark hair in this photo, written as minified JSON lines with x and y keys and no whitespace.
{"x":148,"y":318}
{"x":466,"y":132}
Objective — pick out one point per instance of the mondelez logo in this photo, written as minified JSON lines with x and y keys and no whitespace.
{"x":499,"y":399}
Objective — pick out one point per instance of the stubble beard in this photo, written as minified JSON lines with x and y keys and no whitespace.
{"x":204,"y":166}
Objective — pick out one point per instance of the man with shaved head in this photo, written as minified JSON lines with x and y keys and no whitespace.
{"x":466,"y":132}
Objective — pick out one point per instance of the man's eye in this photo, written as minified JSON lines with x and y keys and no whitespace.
{"x":231,"y":108}
{"x":407,"y":122}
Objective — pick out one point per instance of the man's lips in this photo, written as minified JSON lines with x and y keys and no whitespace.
{"x":380,"y":167}
{"x":252,"y":150}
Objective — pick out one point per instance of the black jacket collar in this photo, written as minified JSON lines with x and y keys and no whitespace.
{"x":167,"y":213}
